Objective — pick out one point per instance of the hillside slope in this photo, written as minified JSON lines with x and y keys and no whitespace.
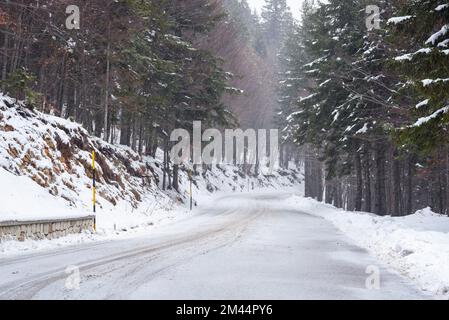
{"x":45,"y":169}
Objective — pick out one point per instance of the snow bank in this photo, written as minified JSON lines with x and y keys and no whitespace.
{"x":22,"y":199}
{"x":417,"y":246}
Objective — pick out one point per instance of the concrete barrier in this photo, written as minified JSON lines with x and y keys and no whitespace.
{"x":44,"y":229}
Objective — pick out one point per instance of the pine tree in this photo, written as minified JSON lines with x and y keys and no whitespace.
{"x":325,"y":118}
{"x":419,"y":33}
{"x":423,"y":27}
{"x":345,"y":84}
{"x":292,"y":80}
{"x":277,"y":21}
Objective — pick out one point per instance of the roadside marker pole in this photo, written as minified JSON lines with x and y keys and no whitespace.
{"x":94,"y":191}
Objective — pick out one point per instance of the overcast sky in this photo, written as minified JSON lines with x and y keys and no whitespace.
{"x":295,"y":5}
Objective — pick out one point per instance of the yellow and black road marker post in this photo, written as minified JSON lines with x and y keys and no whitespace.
{"x":94,"y":191}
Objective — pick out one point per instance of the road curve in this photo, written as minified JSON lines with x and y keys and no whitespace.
{"x":246,"y":246}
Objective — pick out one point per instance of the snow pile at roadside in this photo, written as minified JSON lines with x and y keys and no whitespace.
{"x":22,"y":197}
{"x":417,"y":246}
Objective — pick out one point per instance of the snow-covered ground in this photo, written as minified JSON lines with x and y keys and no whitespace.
{"x":45,"y":172}
{"x":22,"y":199}
{"x":416,"y":246}
{"x":236,"y":246}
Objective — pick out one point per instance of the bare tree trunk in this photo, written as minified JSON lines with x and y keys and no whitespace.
{"x":396,"y":196}
{"x":106,"y":97}
{"x":140,"y":146}
{"x":168,"y":166}
{"x":319,"y":181}
{"x":367,"y":179}
{"x":15,"y":53}
{"x":176,"y":177}
{"x":281,"y":155}
{"x":148,"y":141}
{"x":409,"y":204}
{"x":154,"y":143}
{"x":440,"y":194}
{"x":329,"y":198}
{"x":338,"y":196}
{"x":379,"y":189}
{"x":125,"y":129}
{"x":446,"y":169}
{"x":307,"y":176}
{"x":359,"y":184}
{"x":5,"y":59}
{"x":133,"y":133}
{"x":164,"y":168}
{"x":81,"y":113}
{"x":61,"y":89}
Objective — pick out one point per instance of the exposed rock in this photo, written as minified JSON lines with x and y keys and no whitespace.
{"x":6,"y":128}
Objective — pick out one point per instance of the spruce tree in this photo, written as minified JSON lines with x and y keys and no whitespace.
{"x":423,"y":30}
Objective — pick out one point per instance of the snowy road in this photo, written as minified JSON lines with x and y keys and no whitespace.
{"x":240,"y":247}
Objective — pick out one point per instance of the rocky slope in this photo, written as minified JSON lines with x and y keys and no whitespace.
{"x":54,"y":156}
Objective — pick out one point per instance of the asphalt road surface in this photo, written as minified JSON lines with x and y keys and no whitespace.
{"x":247,"y":246}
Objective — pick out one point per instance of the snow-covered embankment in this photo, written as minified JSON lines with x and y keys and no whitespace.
{"x":45,"y":173}
{"x":416,"y":246}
